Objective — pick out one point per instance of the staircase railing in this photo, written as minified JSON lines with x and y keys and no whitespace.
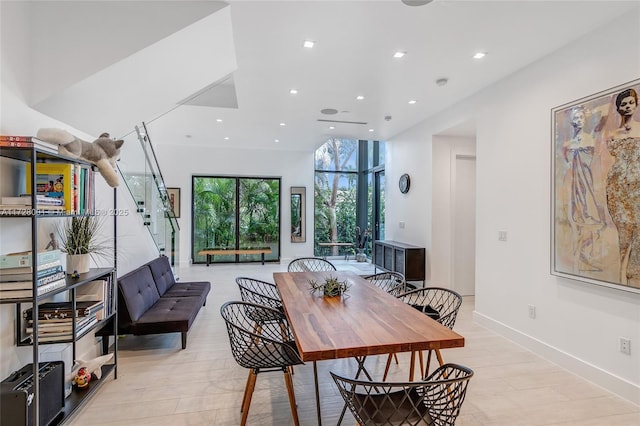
{"x":141,"y":173}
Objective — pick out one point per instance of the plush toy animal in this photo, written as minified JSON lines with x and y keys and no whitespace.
{"x":103,"y":152}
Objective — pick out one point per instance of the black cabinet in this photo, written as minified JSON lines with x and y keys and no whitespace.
{"x":399,"y":257}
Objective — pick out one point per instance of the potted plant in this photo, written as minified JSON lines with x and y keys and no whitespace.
{"x":361,"y":242}
{"x":80,"y":239}
{"x":330,"y":287}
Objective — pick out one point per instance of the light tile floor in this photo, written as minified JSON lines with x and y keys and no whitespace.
{"x":160,"y":384}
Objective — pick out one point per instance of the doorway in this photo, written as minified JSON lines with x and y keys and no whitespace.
{"x":463,"y":198}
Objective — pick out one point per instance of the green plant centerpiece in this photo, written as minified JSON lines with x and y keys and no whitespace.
{"x":81,"y":238}
{"x":330,"y":287}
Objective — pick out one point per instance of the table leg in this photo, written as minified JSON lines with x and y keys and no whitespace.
{"x":263,"y":258}
{"x":315,"y":378}
{"x":208,"y":260}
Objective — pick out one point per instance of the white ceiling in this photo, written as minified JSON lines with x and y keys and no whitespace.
{"x":355,"y":41}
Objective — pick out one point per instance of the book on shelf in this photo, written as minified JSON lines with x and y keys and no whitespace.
{"x":64,"y":324}
{"x":97,"y":290}
{"x":27,"y":274}
{"x":61,"y":310}
{"x":24,"y":259}
{"x":7,"y":284}
{"x":54,"y":180}
{"x":62,"y":334}
{"x":25,"y":200}
{"x":15,"y":138}
{"x":27,"y":293}
{"x":28,"y":269}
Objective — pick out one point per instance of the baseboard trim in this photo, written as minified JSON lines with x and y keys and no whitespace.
{"x":594,"y":374}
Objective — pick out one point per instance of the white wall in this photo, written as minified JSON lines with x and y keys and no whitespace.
{"x":294,"y":168}
{"x":577,"y":324}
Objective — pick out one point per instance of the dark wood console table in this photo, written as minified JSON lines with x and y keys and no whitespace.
{"x":395,"y":256}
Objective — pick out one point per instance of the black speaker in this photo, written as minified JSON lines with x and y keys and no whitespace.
{"x":17,"y":395}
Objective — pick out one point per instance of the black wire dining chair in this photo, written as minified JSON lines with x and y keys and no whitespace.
{"x":391,"y":282}
{"x":310,"y":264}
{"x":436,"y":400}
{"x":266,"y":351}
{"x":440,"y":304}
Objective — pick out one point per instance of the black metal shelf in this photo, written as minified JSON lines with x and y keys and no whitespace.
{"x":79,"y":397}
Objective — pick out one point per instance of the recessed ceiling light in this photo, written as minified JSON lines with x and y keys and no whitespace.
{"x":277,"y":140}
{"x":359,"y":97}
{"x":226,"y":138}
{"x":412,"y":101}
{"x":332,"y":127}
{"x":293,"y":91}
{"x":308,"y":44}
{"x":219,"y":120}
{"x":283,"y":124}
{"x":398,"y":54}
{"x":479,"y":55}
{"x":371,"y":130}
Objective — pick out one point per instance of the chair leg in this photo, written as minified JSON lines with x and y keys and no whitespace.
{"x":386,"y":368}
{"x":246,"y":387}
{"x":251,"y":384}
{"x":292,"y":396}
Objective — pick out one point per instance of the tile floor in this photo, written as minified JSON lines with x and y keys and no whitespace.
{"x":160,"y":384}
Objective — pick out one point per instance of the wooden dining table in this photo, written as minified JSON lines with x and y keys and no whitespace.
{"x":364,"y":321}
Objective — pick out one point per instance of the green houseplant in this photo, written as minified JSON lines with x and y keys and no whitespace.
{"x":80,"y":238}
{"x":330,"y":287}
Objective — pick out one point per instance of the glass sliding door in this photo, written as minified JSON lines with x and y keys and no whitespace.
{"x":378,"y":206}
{"x":259,"y":217}
{"x":235,"y":213}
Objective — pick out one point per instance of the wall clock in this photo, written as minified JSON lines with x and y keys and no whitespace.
{"x":404,"y":183}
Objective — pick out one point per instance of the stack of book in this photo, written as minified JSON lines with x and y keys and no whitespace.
{"x":55,"y":319}
{"x":16,"y":274}
{"x":43,"y":202}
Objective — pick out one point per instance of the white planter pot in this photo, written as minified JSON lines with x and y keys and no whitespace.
{"x":77,"y":262}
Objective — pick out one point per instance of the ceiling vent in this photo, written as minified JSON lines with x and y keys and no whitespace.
{"x":342,"y":121}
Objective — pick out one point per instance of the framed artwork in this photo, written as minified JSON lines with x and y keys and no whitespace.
{"x":298,"y":214}
{"x":174,"y":200}
{"x":595,"y":178}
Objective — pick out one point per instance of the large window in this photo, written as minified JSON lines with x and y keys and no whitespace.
{"x":345,"y":191}
{"x":235,"y":212}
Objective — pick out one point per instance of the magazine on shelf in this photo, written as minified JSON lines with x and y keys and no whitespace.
{"x":55,"y":180}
